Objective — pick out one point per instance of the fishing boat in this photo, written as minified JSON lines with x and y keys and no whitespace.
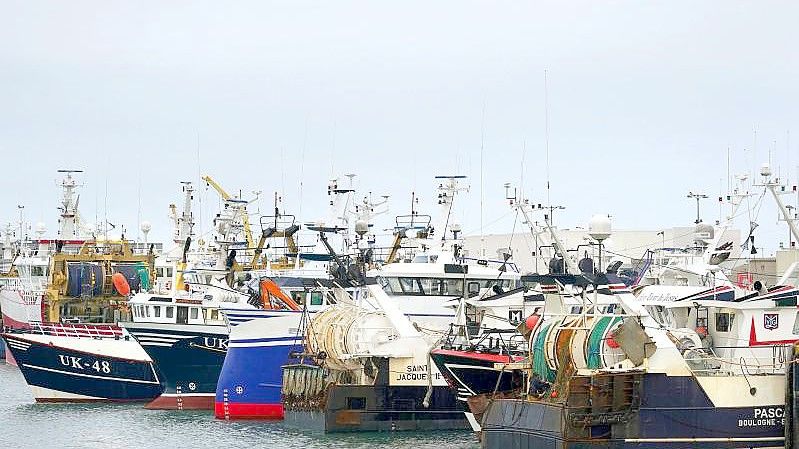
{"x":708,"y":369}
{"x":83,"y":363}
{"x":69,"y":278}
{"x":58,"y":300}
{"x":260,"y":342}
{"x":476,"y":368}
{"x":186,"y":336}
{"x":369,"y":372}
{"x":636,"y":379}
{"x":181,"y":327}
{"x":422,"y":283}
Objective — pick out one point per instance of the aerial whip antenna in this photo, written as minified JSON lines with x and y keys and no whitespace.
{"x":482,"y":147}
{"x":546,"y":128}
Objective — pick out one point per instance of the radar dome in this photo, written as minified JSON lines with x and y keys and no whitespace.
{"x":599,"y":227}
{"x":765,"y":170}
{"x":145,"y":226}
{"x":41,"y":228}
{"x":361,"y":227}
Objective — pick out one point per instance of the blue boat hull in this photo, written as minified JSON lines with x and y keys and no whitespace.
{"x":250,"y":382}
{"x":189,"y":364}
{"x":61,"y":374}
{"x":673,"y":413}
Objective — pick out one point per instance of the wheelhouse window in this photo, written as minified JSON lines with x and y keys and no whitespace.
{"x":316,"y":298}
{"x":796,"y":324}
{"x":452,"y":287}
{"x":429,"y":286}
{"x":393,"y":285}
{"x":411,"y":286}
{"x":423,"y":286}
{"x":724,"y":321}
{"x":506,"y":284}
{"x":214,"y":314}
{"x":157,"y":311}
{"x":147,"y":311}
{"x":194,"y":313}
{"x":170,"y":311}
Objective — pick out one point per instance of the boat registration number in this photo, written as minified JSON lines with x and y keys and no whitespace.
{"x":78,"y":363}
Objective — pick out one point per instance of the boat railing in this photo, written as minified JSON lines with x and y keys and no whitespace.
{"x":77,"y":330}
{"x":499,"y":341}
{"x":29,"y":283}
{"x":504,"y":265}
{"x":763,"y":360}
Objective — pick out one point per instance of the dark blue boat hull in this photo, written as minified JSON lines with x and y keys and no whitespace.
{"x":59,"y":374}
{"x":673,"y":413}
{"x":189,"y":364}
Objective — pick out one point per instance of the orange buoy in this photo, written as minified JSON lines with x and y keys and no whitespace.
{"x":121,"y":284}
{"x":532,"y":321}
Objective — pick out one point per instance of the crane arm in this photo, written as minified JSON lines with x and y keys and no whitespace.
{"x":226,"y":196}
{"x":247,"y":229}
{"x":210,"y":181}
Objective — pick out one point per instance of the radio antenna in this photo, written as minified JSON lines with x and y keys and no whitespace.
{"x":482,"y":147}
{"x":546,"y":129}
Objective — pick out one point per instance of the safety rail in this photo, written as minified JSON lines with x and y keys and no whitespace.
{"x":499,"y":341}
{"x":76,"y":330}
{"x":28,"y":283}
{"x":757,"y":361}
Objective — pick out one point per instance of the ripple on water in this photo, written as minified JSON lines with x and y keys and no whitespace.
{"x":126,"y":426}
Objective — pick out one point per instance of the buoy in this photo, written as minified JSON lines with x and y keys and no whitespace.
{"x":612,"y":343}
{"x":121,"y":284}
{"x":554,"y":394}
{"x":532,"y":321}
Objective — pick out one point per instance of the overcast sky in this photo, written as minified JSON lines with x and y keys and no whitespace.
{"x":645,"y":98}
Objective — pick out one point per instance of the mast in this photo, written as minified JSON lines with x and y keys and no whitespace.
{"x":771,"y":185}
{"x":736,"y":199}
{"x":183,"y":223}
{"x":69,"y":222}
{"x":447,"y":190}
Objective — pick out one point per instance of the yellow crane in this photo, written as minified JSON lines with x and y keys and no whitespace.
{"x":226,"y":196}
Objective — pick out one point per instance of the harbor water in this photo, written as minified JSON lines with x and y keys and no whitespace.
{"x":26,"y":424}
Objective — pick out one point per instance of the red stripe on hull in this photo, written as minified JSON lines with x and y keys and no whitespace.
{"x":10,"y":360}
{"x":15,"y":324}
{"x":85,"y":400}
{"x":248,"y":411}
{"x":496,"y":358}
{"x":174,"y":402}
